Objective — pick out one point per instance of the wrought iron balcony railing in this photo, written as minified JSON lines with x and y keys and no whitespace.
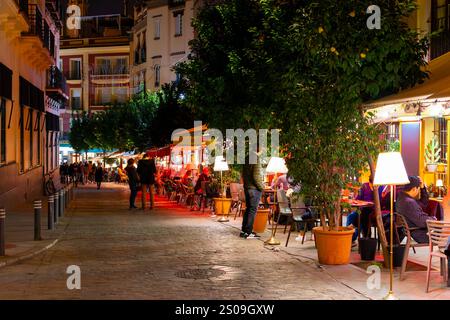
{"x":56,"y":83}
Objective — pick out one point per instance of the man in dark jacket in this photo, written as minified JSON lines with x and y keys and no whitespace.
{"x":133,"y":181}
{"x":409,"y":205}
{"x":253,"y":187}
{"x":147,"y":170}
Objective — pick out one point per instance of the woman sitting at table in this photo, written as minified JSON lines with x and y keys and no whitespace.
{"x":365,"y":194}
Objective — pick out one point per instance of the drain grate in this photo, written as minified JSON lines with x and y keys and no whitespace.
{"x":204,"y":273}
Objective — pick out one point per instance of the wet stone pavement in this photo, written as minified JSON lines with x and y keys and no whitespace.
{"x":167,"y":253}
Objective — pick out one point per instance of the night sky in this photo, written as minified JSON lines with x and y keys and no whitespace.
{"x":98,"y":7}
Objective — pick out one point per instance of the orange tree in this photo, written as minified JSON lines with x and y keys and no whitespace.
{"x":306,"y":67}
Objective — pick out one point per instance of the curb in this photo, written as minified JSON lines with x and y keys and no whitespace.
{"x":30,"y":255}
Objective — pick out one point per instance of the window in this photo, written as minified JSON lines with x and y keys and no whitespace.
{"x":119,"y":95}
{"x":178,"y":24}
{"x":391,"y":135}
{"x":441,"y":15}
{"x":111,"y":66}
{"x":75,"y":99}
{"x":75,"y":69}
{"x":157,"y":75}
{"x":2,"y":130}
{"x":103,"y":96}
{"x":157,"y":24}
{"x":440,"y":129}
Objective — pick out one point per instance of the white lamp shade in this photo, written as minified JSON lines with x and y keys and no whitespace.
{"x":439,"y":183}
{"x":390,"y":170}
{"x":220,"y":164}
{"x":276,"y":165}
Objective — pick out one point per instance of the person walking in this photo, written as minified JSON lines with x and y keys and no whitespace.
{"x":133,"y":180}
{"x":147,"y":170}
{"x":253,"y":187}
{"x":99,"y":175}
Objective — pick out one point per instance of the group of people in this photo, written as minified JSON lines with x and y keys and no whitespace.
{"x":145,"y":177}
{"x":411,"y":202}
{"x":79,"y":172}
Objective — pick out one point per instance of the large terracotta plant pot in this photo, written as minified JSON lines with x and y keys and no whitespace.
{"x":260,"y":223}
{"x":333,"y":247}
{"x":222,"y":206}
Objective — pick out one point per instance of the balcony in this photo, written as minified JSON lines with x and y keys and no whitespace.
{"x":38,"y":43}
{"x":11,"y":23}
{"x":55,"y":9}
{"x":56,"y":84}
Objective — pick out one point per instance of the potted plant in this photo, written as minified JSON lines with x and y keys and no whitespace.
{"x":394,"y":146}
{"x":432,"y":154}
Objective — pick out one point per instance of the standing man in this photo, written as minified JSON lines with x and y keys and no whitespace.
{"x":253,"y":187}
{"x":99,"y":175}
{"x":147,"y":170}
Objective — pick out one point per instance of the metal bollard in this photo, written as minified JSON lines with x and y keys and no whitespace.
{"x":66,"y":197}
{"x":2,"y":231}
{"x":61,"y":203}
{"x":37,"y":204}
{"x":50,"y":222}
{"x":56,"y":206}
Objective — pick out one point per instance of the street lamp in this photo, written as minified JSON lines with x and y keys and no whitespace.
{"x":276,"y":165}
{"x":390,"y":171}
{"x":220,"y":164}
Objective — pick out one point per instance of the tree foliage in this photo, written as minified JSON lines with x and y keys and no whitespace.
{"x":305,"y":67}
{"x":147,"y":120}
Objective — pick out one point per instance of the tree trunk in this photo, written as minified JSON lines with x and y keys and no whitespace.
{"x":377,"y":210}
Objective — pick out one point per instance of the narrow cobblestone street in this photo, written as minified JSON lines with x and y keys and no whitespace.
{"x":167,"y":253}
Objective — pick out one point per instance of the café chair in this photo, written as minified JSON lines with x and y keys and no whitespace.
{"x":236,"y":203}
{"x":284,"y":209}
{"x":400,"y":223}
{"x":439,"y":233}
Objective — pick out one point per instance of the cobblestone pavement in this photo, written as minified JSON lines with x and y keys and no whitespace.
{"x":167,"y":253}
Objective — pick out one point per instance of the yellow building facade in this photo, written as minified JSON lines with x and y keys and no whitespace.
{"x":416,"y":118}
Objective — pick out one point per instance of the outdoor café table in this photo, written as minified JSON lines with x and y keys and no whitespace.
{"x":358,"y":205}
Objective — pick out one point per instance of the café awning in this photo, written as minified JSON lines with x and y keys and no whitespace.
{"x":436,"y":87}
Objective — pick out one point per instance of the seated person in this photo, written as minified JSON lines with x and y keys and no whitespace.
{"x":187,"y":179}
{"x":410,"y":205}
{"x":204,"y":176}
{"x":280,"y":183}
{"x":365,"y":194}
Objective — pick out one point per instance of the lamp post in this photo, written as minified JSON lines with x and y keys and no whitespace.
{"x":220,"y":164}
{"x":276,"y":165}
{"x":390,"y":171}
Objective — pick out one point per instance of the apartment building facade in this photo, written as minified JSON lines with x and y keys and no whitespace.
{"x":95,"y":60}
{"x":32,"y":92}
{"x":161,"y":34}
